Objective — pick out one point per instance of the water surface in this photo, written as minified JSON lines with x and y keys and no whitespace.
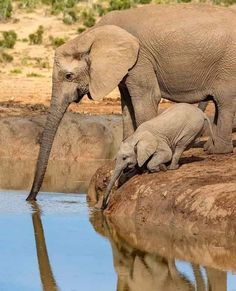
{"x":59,"y":243}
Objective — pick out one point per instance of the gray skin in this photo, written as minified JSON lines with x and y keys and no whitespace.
{"x":160,"y":140}
{"x":184,"y":53}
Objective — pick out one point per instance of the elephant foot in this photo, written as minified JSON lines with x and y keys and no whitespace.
{"x":219,"y":147}
{"x":173,"y":167}
{"x":161,"y":167}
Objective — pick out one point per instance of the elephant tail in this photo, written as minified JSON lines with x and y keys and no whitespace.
{"x":210,"y":128}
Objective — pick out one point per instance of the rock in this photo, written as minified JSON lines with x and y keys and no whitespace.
{"x":198,"y":198}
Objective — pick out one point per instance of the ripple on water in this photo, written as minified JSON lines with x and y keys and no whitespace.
{"x":13,"y":202}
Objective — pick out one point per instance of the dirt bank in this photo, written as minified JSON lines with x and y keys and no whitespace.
{"x":83,"y":143}
{"x":199,"y":197}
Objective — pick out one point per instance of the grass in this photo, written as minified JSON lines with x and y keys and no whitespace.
{"x":33,"y":74}
{"x":5,"y":9}
{"x":16,"y":71}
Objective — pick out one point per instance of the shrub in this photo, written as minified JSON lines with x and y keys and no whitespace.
{"x":69,"y":16}
{"x":42,"y":63}
{"x":145,"y":1}
{"x":224,"y":2}
{"x":56,"y":41}
{"x":9,"y":39}
{"x":120,"y":4}
{"x":16,"y":71}
{"x":99,"y":9}
{"x":61,"y":5}
{"x":28,"y":3}
{"x":5,"y":57}
{"x":88,"y":18}
{"x":37,"y":37}
{"x":34,"y":75}
{"x":81,"y":29}
{"x":5,"y":9}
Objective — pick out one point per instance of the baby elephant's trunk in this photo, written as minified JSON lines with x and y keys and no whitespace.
{"x":115,"y":176}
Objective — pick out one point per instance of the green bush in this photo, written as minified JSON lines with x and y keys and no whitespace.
{"x":37,"y":37}
{"x":81,"y":29}
{"x":56,"y":41}
{"x":5,"y":9}
{"x":5,"y":57}
{"x":70,"y":16}
{"x":16,"y":71}
{"x":99,"y":9}
{"x":120,"y":4}
{"x":61,"y":5}
{"x":144,"y":1}
{"x":41,"y":63}
{"x":224,"y":2}
{"x":88,"y":18}
{"x":9,"y":39}
{"x":28,"y":3}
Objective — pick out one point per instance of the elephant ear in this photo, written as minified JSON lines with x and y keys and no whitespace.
{"x":113,"y":52}
{"x":146,"y":146}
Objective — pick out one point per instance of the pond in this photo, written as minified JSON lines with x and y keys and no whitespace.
{"x":60,"y":243}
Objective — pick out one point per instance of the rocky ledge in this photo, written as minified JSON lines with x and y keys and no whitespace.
{"x":198,"y":198}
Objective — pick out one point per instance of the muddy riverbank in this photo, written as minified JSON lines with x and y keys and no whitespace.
{"x":198,"y":198}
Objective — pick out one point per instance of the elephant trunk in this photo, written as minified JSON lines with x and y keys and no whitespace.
{"x":115,"y":176}
{"x":53,"y":120}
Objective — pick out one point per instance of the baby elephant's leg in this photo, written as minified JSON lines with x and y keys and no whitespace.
{"x":176,"y":156}
{"x":158,"y":161}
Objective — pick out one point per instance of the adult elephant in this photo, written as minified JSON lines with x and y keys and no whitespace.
{"x":183,"y":52}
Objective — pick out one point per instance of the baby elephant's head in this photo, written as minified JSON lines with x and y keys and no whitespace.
{"x":126,"y":157}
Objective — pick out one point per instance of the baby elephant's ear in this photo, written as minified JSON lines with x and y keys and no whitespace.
{"x":146,"y":147}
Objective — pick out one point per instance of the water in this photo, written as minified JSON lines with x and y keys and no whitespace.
{"x":59,"y":243}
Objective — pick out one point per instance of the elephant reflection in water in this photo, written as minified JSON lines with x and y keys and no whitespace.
{"x":141,"y":271}
{"x":46,"y":274}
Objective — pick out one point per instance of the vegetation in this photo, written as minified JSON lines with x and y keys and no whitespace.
{"x":5,"y":57}
{"x":88,"y":18}
{"x":29,"y":4}
{"x":16,"y":71}
{"x":56,"y":41}
{"x":37,"y":37}
{"x":33,"y":75}
{"x":9,"y":39}
{"x":81,"y":29}
{"x":5,"y":9}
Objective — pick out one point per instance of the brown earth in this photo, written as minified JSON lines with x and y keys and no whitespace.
{"x":199,"y":197}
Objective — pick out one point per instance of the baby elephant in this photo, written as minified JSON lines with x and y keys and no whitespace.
{"x":160,"y":140}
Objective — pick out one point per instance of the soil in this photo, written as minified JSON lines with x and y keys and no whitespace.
{"x":199,"y":197}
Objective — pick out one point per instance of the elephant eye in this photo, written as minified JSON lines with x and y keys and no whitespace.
{"x":124,"y":158}
{"x":69,"y":77}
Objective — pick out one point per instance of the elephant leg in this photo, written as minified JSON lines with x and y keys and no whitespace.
{"x":223,"y":131}
{"x":144,"y":90}
{"x":158,"y":160}
{"x":203,"y":105}
{"x":176,"y":156}
{"x":129,"y":123}
{"x":209,"y":142}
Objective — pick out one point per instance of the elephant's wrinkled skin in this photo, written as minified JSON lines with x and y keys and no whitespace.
{"x":184,"y":53}
{"x":159,"y":141}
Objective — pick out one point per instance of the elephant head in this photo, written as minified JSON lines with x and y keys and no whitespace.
{"x":137,"y":149}
{"x":93,"y":63}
